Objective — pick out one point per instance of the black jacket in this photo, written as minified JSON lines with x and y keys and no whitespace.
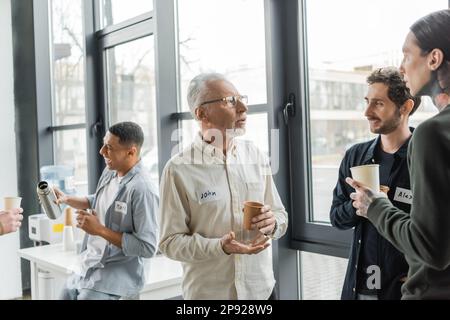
{"x":392,"y":263}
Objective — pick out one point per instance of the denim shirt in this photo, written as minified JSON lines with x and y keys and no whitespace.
{"x":133,"y":213}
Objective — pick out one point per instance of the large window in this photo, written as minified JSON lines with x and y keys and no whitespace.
{"x":68,"y":88}
{"x":68,"y":62}
{"x":338,"y":49}
{"x":339,"y":60}
{"x":208,"y":43}
{"x":131,"y":93}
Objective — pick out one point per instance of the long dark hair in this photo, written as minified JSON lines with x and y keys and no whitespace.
{"x":433,"y":32}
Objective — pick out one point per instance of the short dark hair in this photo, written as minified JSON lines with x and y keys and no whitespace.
{"x":398,"y":92}
{"x":128,"y":133}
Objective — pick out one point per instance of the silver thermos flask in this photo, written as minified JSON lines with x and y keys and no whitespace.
{"x":47,"y":198}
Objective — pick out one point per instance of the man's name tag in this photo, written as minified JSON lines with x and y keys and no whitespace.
{"x":403,"y":195}
{"x":120,"y":207}
{"x":208,"y":195}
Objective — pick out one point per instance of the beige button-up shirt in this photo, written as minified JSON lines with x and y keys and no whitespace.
{"x":202,"y":195}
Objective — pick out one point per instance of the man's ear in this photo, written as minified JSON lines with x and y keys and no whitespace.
{"x":435,"y":59}
{"x":133,"y":151}
{"x":407,"y":107}
{"x":201,"y":114}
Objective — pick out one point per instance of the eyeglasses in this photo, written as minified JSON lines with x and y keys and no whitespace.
{"x":231,"y":101}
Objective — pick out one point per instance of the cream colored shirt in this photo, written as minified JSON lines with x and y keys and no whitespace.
{"x":202,"y":195}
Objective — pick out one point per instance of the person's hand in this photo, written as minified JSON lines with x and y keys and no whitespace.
{"x":265,"y":221}
{"x":363,"y":197}
{"x":10,"y":220}
{"x":61,"y":197}
{"x":89,"y":222}
{"x":230,"y":245}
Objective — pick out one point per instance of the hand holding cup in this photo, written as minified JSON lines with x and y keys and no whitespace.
{"x":10,"y":220}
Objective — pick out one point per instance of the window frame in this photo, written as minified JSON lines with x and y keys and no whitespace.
{"x":99,"y":41}
{"x":44,"y":89}
{"x":307,"y":235}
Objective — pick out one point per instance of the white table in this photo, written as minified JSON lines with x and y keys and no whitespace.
{"x":163,"y":275}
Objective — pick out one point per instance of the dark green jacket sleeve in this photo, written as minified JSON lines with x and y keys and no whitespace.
{"x":424,"y":235}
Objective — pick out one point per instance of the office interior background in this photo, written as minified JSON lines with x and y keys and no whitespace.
{"x":71,"y":68}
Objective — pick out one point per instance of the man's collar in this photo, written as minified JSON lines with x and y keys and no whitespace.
{"x":401,"y":152}
{"x":130,"y":174}
{"x":211,"y":150}
{"x":371,"y":151}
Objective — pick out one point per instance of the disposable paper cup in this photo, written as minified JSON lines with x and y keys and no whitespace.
{"x":68,"y":239}
{"x":251,"y":209}
{"x":11,"y":202}
{"x":368,"y":175}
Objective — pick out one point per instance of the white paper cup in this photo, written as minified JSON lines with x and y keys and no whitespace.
{"x":68,"y":239}
{"x":11,"y":202}
{"x":368,"y":175}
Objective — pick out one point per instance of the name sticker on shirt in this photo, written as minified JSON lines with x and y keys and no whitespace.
{"x":120,"y":207}
{"x":403,"y":195}
{"x":208,"y":195}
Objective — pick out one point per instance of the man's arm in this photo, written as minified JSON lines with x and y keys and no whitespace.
{"x":272,"y":198}
{"x":342,"y":213}
{"x":80,"y":203}
{"x":111,"y":236}
{"x":90,"y":223}
{"x":422,"y":235}
{"x":142,"y":242}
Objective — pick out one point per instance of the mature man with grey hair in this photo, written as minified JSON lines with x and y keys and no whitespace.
{"x":202,"y":201}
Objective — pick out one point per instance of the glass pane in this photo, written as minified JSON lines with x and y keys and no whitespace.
{"x":189,"y":129}
{"x":235,"y":49}
{"x":115,"y":11}
{"x":131,"y":93}
{"x":68,"y":62}
{"x":322,"y":276}
{"x":257,"y":131}
{"x":337,"y":77}
{"x":70,"y":150}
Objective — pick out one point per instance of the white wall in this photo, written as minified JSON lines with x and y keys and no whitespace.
{"x":10,"y":285}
